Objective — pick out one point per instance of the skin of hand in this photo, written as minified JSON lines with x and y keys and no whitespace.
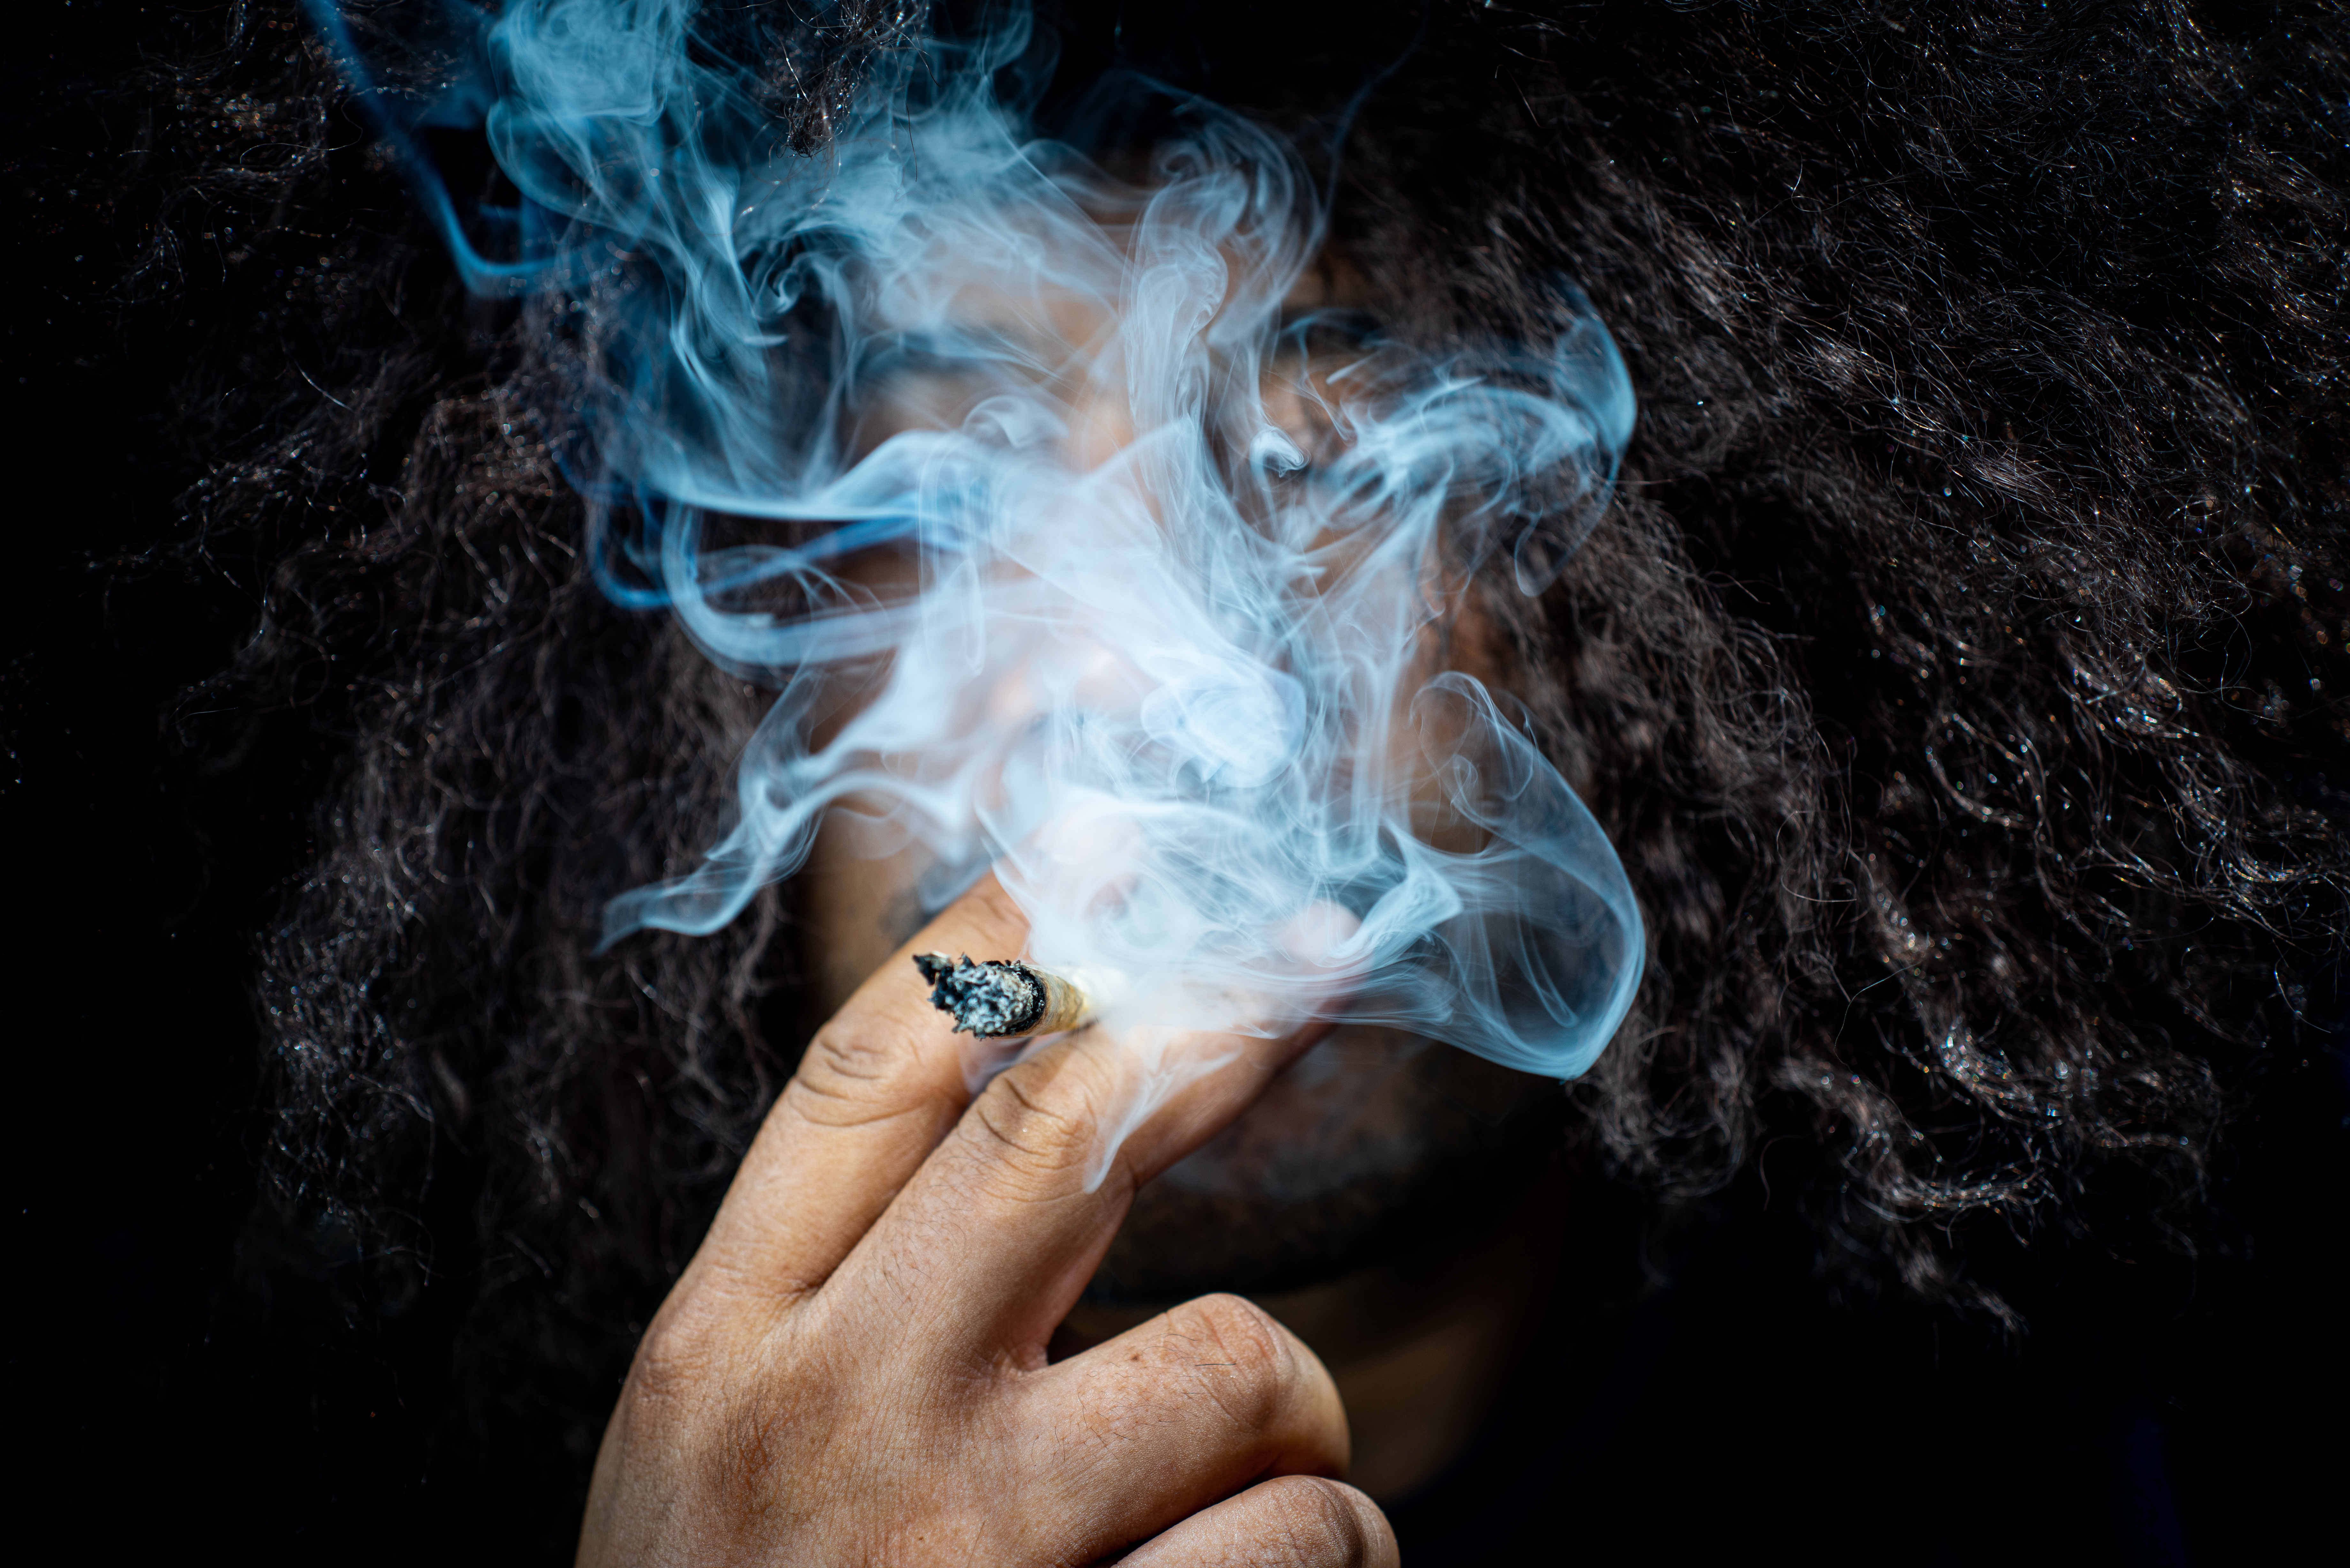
{"x":852,"y":1369}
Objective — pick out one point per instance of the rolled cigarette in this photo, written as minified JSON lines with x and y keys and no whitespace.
{"x":1003,"y":997}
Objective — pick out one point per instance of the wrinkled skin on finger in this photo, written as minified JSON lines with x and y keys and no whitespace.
{"x":1296,"y":1522}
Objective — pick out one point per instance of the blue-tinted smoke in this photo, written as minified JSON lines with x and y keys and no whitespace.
{"x":1070,"y":552}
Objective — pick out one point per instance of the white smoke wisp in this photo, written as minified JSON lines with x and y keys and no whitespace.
{"x":1071,"y":554}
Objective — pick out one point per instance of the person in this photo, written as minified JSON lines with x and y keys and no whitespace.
{"x":1952,"y":674}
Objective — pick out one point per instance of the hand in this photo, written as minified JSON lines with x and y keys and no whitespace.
{"x":852,"y":1368}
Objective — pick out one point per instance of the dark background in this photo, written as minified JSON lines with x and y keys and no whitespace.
{"x":176,"y":1378}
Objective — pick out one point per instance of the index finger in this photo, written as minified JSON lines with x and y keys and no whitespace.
{"x":1037,"y":1174}
{"x":880,"y":1085}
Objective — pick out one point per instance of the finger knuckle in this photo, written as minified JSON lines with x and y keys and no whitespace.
{"x":1242,"y":1355}
{"x":1040,"y":1119}
{"x":675,"y":1363}
{"x":1317,"y":1523}
{"x":699,"y":1341}
{"x":852,"y":1073}
{"x":1243,"y":1331}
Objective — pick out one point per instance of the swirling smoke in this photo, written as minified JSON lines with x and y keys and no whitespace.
{"x":1074,"y":548}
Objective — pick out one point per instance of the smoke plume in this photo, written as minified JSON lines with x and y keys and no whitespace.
{"x":1077,"y":538}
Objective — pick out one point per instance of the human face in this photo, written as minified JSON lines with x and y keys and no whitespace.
{"x":1365,"y":1142}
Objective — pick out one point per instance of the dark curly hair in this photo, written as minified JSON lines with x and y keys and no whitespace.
{"x":1961,"y":674}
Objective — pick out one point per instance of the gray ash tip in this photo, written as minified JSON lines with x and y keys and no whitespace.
{"x":996,"y":1000}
